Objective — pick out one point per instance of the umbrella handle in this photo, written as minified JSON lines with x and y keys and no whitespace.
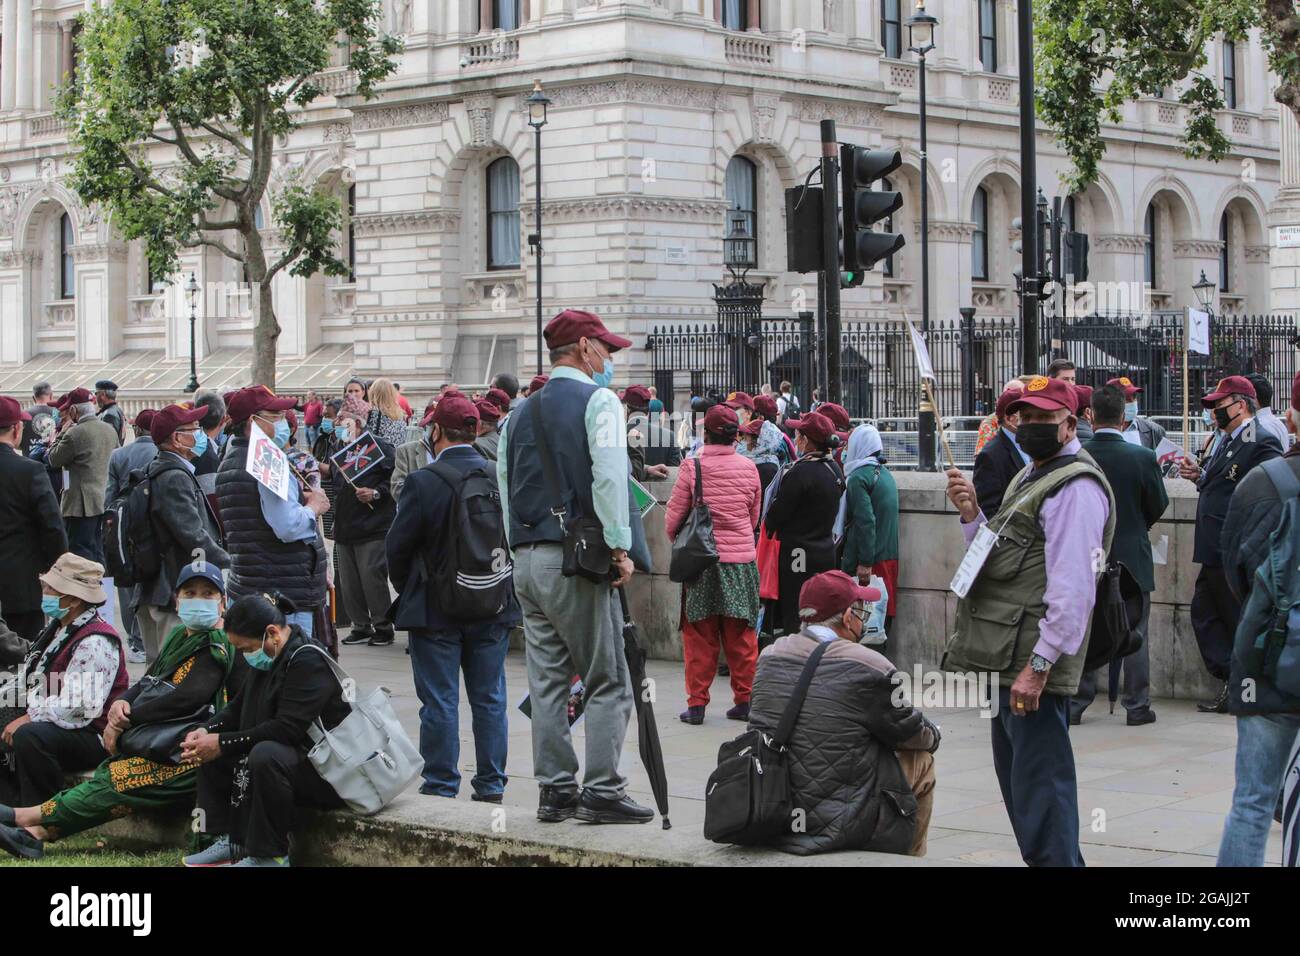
{"x":622,"y":600}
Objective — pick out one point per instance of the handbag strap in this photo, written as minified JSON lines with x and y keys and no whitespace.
{"x":548,"y":463}
{"x":699,"y":483}
{"x":795,"y":704}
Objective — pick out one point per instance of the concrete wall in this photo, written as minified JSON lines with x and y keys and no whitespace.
{"x":931,"y":548}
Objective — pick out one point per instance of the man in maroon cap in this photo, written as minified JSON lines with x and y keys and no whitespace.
{"x":652,"y":449}
{"x":185,"y":528}
{"x":1138,"y":429}
{"x":32,"y":535}
{"x":134,"y":455}
{"x":447,"y":642}
{"x":852,"y":726}
{"x":1028,"y":608}
{"x":536,"y":384}
{"x":83,"y":448}
{"x":489,"y":414}
{"x":1000,"y":460}
{"x":573,"y":622}
{"x":1242,"y":445}
{"x":274,"y":542}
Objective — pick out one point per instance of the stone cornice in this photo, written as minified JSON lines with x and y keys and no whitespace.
{"x":1119,"y":242}
{"x":431,"y":316}
{"x":405,"y":223}
{"x":1197,"y":248}
{"x":100,"y":252}
{"x":844,"y":114}
{"x":1257,"y":253}
{"x":629,"y":91}
{"x":630,"y":207}
{"x":950,"y":230}
{"x":387,"y":117}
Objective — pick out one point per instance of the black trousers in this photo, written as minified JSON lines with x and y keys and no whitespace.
{"x":43,"y":756}
{"x":85,"y":536}
{"x":1214,"y":620}
{"x":280,"y":779}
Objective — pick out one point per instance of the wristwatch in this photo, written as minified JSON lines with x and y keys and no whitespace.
{"x":1040,"y":664}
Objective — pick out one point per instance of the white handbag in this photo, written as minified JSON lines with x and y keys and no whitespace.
{"x":367,"y":758}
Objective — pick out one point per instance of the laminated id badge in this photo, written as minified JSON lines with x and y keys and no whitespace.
{"x":976,"y":555}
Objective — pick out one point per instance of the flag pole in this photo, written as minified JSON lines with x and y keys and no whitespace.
{"x":1187,"y":346}
{"x":938,"y":417}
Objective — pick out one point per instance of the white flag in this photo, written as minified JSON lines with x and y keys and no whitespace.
{"x":922,"y":353}
{"x":1198,"y":331}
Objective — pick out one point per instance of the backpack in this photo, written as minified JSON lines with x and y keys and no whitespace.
{"x":473,"y":574}
{"x":1272,"y":614}
{"x":132,"y":550}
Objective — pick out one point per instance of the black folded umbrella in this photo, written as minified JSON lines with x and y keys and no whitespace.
{"x":652,"y":752}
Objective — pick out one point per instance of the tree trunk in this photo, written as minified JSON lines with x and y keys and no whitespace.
{"x":1280,"y":17}
{"x":266,"y":332}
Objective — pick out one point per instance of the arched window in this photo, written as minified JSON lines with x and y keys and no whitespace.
{"x":67,"y":270}
{"x":742,"y":193}
{"x":979,"y":251}
{"x":351,"y":236}
{"x":735,"y":14}
{"x":503,"y":214}
{"x":887,"y":226}
{"x":1149,"y":247}
{"x":1225,"y":258}
{"x":891,"y":27}
{"x":988,"y":35}
{"x":1229,"y":74}
{"x":505,"y":14}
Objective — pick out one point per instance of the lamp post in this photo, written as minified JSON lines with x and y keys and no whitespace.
{"x":740,"y":302}
{"x":920,"y":34}
{"x":538,"y":103}
{"x":192,"y":294}
{"x":1204,"y":291}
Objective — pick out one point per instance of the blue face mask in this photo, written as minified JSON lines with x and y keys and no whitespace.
{"x":50,"y":607}
{"x":198,"y":613}
{"x":259,"y":659}
{"x":1207,"y":418}
{"x":200,"y":443}
{"x":605,"y":377}
{"x":281,"y":436}
{"x":327,"y":426}
{"x":1130,"y":411}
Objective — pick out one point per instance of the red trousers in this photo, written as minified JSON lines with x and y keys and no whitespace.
{"x":700,"y":640}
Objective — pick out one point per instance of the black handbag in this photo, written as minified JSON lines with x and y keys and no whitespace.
{"x":1116,"y":617}
{"x":161,"y":741}
{"x":585,"y":553}
{"x":748,"y":801}
{"x":694,"y":548}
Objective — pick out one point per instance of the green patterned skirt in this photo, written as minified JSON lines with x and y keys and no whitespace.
{"x":725,"y":590}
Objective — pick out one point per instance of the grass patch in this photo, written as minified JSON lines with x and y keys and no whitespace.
{"x":89,"y":850}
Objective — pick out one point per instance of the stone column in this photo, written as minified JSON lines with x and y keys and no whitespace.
{"x":24,"y":81}
{"x":484,"y":16}
{"x":16,"y":340}
{"x":1284,"y":217}
{"x":9,"y":55}
{"x":66,"y":53}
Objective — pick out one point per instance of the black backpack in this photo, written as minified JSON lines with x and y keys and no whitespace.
{"x":132,"y":550}
{"x":473,"y":578}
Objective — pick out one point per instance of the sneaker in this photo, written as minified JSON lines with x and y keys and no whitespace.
{"x":1217,"y":706}
{"x":135,"y":655}
{"x":218,"y":854}
{"x":557,"y":805}
{"x":263,"y":861}
{"x":594,"y":809}
{"x":739,"y":712}
{"x":16,"y":841}
{"x":486,"y":797}
{"x":358,"y":637}
{"x":1076,"y":718}
{"x":692,"y":715}
{"x":381,"y":639}
{"x":1139,"y":717}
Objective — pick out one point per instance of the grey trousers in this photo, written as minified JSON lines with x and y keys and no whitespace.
{"x":155,"y":624}
{"x":363,"y":572}
{"x":573,"y":626}
{"x":126,"y":622}
{"x":1135,"y":675}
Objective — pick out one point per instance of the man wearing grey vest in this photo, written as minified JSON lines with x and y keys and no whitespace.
{"x":1027,"y":614}
{"x":572,"y":625}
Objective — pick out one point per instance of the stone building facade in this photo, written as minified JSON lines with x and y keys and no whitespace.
{"x":665,"y":115}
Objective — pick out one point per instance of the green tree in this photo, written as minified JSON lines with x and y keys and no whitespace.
{"x":1092,"y":56}
{"x":175,"y":112}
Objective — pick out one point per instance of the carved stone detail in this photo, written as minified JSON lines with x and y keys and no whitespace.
{"x":621,"y":91}
{"x":387,"y":117}
{"x":399,"y":223}
{"x":480,"y":107}
{"x":844,"y":114}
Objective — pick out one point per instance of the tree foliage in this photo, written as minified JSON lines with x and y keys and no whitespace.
{"x":1092,"y":56}
{"x":175,"y":114}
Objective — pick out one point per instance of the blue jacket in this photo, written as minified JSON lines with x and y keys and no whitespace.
{"x":420,"y":535}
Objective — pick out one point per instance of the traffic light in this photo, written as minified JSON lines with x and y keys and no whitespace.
{"x":862,"y":247}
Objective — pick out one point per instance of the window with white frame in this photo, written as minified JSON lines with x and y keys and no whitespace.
{"x":1149,"y":247}
{"x":503,"y":225}
{"x":988,"y":24}
{"x":67,"y":268}
{"x":505,"y":14}
{"x":891,"y":27}
{"x":1225,"y":257}
{"x":478,"y":358}
{"x":742,"y":196}
{"x":735,"y":14}
{"x":979,"y":250}
{"x":1229,"y":74}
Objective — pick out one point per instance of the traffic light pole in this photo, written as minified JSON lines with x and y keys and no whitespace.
{"x":1028,"y":190}
{"x":831,"y":258}
{"x":925,"y":215}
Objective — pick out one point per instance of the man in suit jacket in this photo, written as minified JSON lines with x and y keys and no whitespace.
{"x":1138,"y":429}
{"x":409,"y":458}
{"x":1140,"y":500}
{"x":443,"y":647}
{"x":83,"y":447}
{"x":1000,"y":460}
{"x":135,"y":455}
{"x":31,"y":529}
{"x":1215,"y":610}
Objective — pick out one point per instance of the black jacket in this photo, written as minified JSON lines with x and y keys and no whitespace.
{"x":803,"y":511}
{"x":184,"y":523}
{"x":354,"y":521}
{"x":1230,"y":463}
{"x":996,"y":464}
{"x":31,"y":531}
{"x":1140,"y":500}
{"x":1253,"y":512}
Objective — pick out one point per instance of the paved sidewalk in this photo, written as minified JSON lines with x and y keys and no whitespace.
{"x":1153,"y":795}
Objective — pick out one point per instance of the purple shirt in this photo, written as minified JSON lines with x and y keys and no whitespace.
{"x":1074,"y":525}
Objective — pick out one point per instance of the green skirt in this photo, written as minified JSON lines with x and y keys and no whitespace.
{"x":725,"y":590}
{"x":120,"y":786}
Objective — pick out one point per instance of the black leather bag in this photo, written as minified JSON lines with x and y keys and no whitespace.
{"x":1116,"y":616}
{"x":694,"y":549}
{"x":585,"y":553}
{"x":161,"y":741}
{"x":747,"y":801}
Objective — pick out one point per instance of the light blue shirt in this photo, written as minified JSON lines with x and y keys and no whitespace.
{"x":1011,"y":437}
{"x":607,"y":440}
{"x":289,"y":520}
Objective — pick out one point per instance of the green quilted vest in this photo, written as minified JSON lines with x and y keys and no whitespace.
{"x":997,"y":621}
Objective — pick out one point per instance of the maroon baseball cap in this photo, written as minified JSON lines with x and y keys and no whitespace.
{"x":1046,"y":393}
{"x":454,"y":411}
{"x":1232,"y":385}
{"x":537,"y":382}
{"x":1005,"y":400}
{"x":753,"y":427}
{"x":815,"y":425}
{"x":1125,"y":383}
{"x":168,"y":419}
{"x":144,"y":418}
{"x":488,"y":411}
{"x":1295,"y":392}
{"x":636,"y":396}
{"x":1084,"y":392}
{"x":11,"y":413}
{"x":740,"y":400}
{"x":765,"y":405}
{"x":78,"y":396}
{"x":499,"y":398}
{"x":830,"y":593}
{"x":838,"y":414}
{"x":573,"y":324}
{"x":247,"y":402}
{"x":721,"y":420}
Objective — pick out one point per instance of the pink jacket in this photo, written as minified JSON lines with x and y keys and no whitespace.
{"x":732,"y":492}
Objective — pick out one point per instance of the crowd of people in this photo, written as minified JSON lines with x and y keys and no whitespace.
{"x":516,"y":507}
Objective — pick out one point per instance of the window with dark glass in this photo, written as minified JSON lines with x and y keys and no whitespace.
{"x":503,"y":214}
{"x":1229,"y":74}
{"x":1068,"y":211}
{"x":67,"y":270}
{"x":505,"y":14}
{"x":742,"y":194}
{"x":735,"y":14}
{"x":891,"y":27}
{"x":1225,"y":257}
{"x":1149,"y":246}
{"x":988,"y":35}
{"x":979,"y":252}
{"x":888,"y":226}
{"x":352,"y":239}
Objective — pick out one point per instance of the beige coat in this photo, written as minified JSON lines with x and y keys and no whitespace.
{"x":84,"y":450}
{"x":410,"y":456}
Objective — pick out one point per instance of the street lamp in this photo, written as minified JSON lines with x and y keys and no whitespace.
{"x":538,"y":104}
{"x":1204,"y":290}
{"x":739,"y":246}
{"x":192,"y":294}
{"x":920,"y":37}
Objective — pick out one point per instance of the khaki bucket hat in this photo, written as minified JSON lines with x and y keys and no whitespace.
{"x":78,"y":576}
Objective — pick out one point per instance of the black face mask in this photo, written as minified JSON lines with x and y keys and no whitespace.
{"x":1221,"y":416}
{"x":1040,"y":440}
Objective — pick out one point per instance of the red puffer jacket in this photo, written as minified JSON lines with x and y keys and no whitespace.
{"x":731,"y":490}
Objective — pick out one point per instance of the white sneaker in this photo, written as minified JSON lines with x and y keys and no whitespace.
{"x":135,"y":655}
{"x":216,"y":855}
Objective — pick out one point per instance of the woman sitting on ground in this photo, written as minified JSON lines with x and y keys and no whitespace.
{"x":196,"y":659}
{"x":254,"y":754}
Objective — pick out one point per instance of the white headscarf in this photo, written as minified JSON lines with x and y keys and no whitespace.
{"x":864,"y":448}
